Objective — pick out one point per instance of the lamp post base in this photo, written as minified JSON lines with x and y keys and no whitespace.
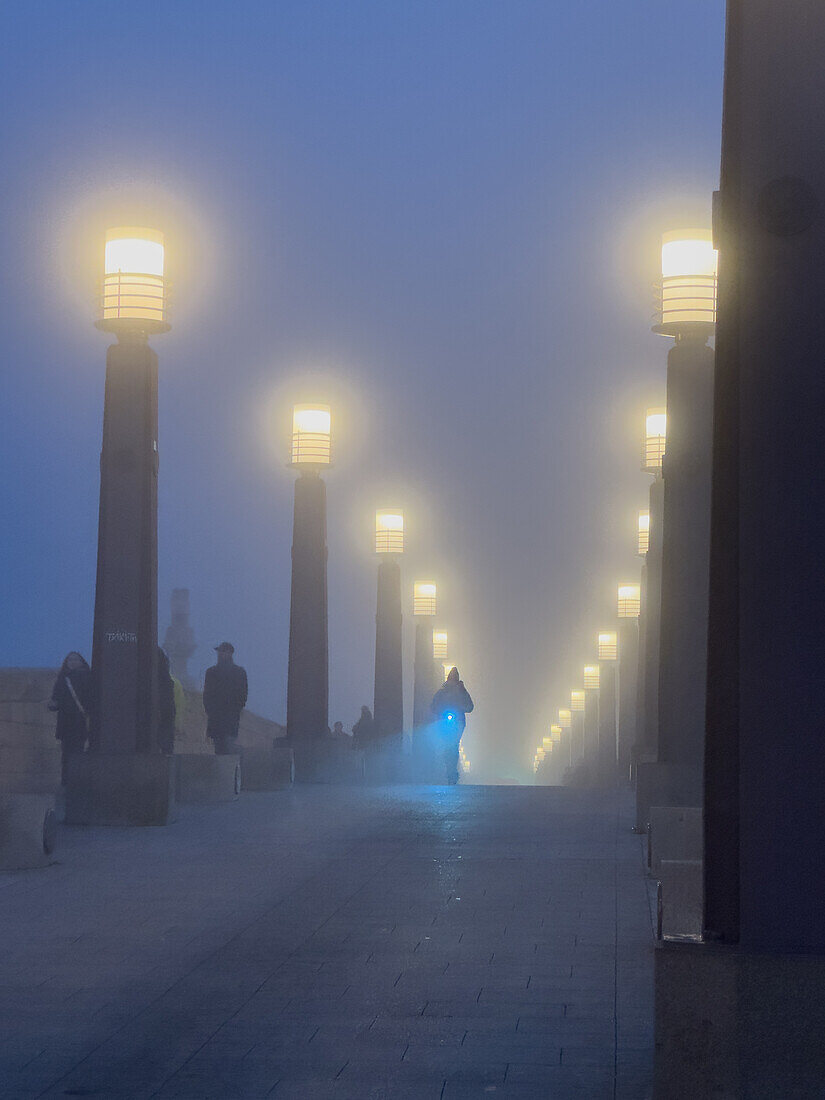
{"x":134,"y":789}
{"x":733,"y":1023}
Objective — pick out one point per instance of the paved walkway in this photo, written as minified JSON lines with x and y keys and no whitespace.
{"x":422,"y":943}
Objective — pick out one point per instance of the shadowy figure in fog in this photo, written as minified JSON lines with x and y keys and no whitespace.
{"x":166,"y":705}
{"x":225,"y":691}
{"x":363,"y":732}
{"x":340,"y":734}
{"x":73,"y":698}
{"x":451,"y":703}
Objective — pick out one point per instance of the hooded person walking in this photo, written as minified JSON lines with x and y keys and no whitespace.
{"x":225,"y":691}
{"x":73,"y":699}
{"x":451,"y":703}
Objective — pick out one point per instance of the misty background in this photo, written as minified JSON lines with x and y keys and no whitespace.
{"x":442,"y":218}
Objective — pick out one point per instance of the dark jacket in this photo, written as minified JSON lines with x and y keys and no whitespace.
{"x":363,"y":732}
{"x":72,"y":724}
{"x":455,"y":698}
{"x":224,"y":696}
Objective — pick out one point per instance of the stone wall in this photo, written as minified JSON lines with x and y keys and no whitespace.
{"x":30,"y":755}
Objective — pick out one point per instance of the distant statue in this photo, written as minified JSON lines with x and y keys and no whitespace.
{"x":179,"y":642}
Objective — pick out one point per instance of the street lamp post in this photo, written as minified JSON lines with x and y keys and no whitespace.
{"x":307,"y":704}
{"x":628,"y":609}
{"x":688,"y":316}
{"x":756,"y":982}
{"x":608,"y":650}
{"x":649,"y":545}
{"x":592,"y":682}
{"x":424,"y":608}
{"x":389,"y":692}
{"x":577,"y":705}
{"x":125,"y":779}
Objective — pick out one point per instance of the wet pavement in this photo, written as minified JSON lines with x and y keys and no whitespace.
{"x":357,"y":943}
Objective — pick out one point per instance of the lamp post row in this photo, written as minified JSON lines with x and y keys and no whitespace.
{"x":656,"y":672}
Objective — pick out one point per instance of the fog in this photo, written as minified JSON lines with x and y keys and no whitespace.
{"x":439,"y":218}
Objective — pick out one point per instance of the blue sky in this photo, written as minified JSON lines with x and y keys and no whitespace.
{"x":442,"y":218}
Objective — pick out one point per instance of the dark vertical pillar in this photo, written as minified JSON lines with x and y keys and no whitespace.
{"x":424,"y":686}
{"x":764,"y":820}
{"x":685,"y":572}
{"x":647,"y":746}
{"x":591,"y":732}
{"x":628,"y":641}
{"x":577,"y":738}
{"x":607,"y":722}
{"x":649,"y":719}
{"x":641,"y":671}
{"x":124,"y":653}
{"x":307,"y":705}
{"x":389,"y":698}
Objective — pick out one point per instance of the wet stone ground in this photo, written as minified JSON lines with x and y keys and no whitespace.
{"x":355,"y":943}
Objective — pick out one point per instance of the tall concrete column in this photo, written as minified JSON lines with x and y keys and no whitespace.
{"x":647,"y":729}
{"x":741,"y":1014}
{"x":124,"y":649}
{"x":685,"y":574}
{"x":608,"y":698}
{"x":389,"y":695}
{"x":628,"y":670}
{"x":424,"y":685}
{"x":638,"y":736}
{"x":307,"y":704}
{"x":577,"y":739}
{"x":591,"y":732}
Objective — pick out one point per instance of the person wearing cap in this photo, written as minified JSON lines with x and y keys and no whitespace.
{"x":224,"y":696}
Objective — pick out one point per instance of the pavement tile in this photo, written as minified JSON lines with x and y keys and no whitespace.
{"x":364,"y":944}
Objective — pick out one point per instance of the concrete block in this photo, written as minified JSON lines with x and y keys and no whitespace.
{"x":204,"y":777}
{"x":28,"y":831}
{"x":266,"y":768}
{"x":136,"y":789}
{"x":675,"y":833}
{"x":681,"y":885}
{"x":732,"y":1023}
{"x":665,"y":785}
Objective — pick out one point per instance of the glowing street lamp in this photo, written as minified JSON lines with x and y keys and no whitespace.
{"x":577,"y":701}
{"x":688,"y":298}
{"x":440,"y":645}
{"x":629,"y":599}
{"x":124,"y":650}
{"x":565,"y":718}
{"x":424,"y":598}
{"x":555,"y":733}
{"x":133,"y":300}
{"x":608,"y":645}
{"x":389,"y":532}
{"x":307,"y":696}
{"x":653,"y":448}
{"x":643,"y":532}
{"x":311,"y":436}
{"x":591,"y":677}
